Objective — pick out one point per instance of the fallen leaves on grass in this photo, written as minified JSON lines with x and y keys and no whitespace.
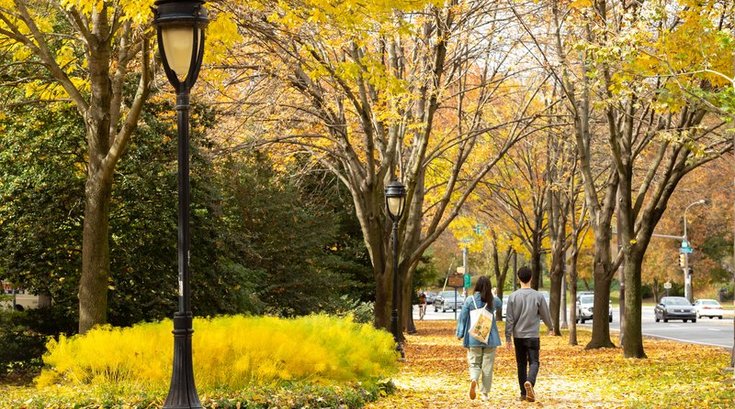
{"x":675,"y":375}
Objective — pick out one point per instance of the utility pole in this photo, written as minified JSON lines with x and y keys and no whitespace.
{"x":464,"y":259}
{"x":564,"y":323}
{"x":686,"y":249}
{"x":621,"y":272}
{"x":515,"y":270}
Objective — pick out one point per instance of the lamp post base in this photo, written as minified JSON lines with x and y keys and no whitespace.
{"x":397,"y":334}
{"x":399,"y":348}
{"x":182,"y":393}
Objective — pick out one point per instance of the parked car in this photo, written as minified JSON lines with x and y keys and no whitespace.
{"x":708,"y":308}
{"x":446,"y":301}
{"x":430,"y":297}
{"x":674,"y":308}
{"x":19,"y":301}
{"x":585,"y":306}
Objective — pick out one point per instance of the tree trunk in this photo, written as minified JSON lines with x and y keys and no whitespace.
{"x":555,"y":297}
{"x":94,"y":280}
{"x":633,"y":340}
{"x":536,"y":279}
{"x":558,"y":245}
{"x":383,"y":307}
{"x":573,"y":293}
{"x":501,"y":272}
{"x":603,"y":278}
{"x":407,"y":297}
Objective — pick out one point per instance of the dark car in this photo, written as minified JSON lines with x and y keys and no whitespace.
{"x":675,"y":308}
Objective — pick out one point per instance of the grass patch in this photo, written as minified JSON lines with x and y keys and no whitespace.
{"x":287,"y":395}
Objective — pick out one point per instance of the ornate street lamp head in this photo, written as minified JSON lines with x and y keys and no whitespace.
{"x":395,"y":199}
{"x":180,"y":26}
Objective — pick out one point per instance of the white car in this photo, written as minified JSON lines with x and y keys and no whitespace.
{"x":585,"y":307}
{"x":708,"y":308}
{"x":448,"y":300}
{"x":20,"y":301}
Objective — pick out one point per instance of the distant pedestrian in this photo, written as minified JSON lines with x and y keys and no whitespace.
{"x":422,"y":304}
{"x":480,"y":355}
{"x":525,"y":307}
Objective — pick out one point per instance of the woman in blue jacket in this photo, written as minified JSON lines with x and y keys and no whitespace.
{"x":480,"y":355}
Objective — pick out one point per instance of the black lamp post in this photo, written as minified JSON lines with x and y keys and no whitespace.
{"x":395,"y":201}
{"x":180,"y":26}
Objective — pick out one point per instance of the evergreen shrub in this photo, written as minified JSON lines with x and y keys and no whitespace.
{"x":20,"y":346}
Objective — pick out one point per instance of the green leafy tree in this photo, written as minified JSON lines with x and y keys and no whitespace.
{"x":41,"y":201}
{"x":84,"y":52}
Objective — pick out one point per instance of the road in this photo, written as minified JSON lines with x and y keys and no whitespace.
{"x":705,"y":331}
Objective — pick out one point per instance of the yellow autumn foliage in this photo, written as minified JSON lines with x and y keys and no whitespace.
{"x":228,"y":352}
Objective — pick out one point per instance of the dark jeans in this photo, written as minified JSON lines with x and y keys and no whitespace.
{"x":527,"y":354}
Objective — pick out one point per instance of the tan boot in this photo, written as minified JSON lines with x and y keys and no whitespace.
{"x":473,"y":392}
{"x":530,"y":395}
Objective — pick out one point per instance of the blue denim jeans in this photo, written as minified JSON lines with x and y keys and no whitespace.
{"x":527,"y":360}
{"x":481,"y":360}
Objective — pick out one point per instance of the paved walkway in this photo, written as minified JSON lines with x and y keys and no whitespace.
{"x":435,"y":375}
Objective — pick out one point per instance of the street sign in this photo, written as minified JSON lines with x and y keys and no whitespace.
{"x":456,"y":281}
{"x":685,"y":247}
{"x":667,"y":285}
{"x":467,"y":280}
{"x":460,"y":270}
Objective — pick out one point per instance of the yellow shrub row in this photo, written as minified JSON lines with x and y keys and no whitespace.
{"x":229,"y":352}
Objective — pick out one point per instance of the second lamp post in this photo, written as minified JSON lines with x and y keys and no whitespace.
{"x":395,"y":202}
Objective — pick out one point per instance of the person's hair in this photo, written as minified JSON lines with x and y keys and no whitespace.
{"x":524,"y":274}
{"x":484,"y":287}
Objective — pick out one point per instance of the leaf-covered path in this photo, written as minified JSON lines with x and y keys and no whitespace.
{"x":674,"y":375}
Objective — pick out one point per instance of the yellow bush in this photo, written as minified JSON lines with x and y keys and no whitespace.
{"x":229,"y":352}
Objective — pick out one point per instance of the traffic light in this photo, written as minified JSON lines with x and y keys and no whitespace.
{"x":682,"y":260}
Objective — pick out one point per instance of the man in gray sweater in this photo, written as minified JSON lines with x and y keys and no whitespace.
{"x":525,"y":307}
